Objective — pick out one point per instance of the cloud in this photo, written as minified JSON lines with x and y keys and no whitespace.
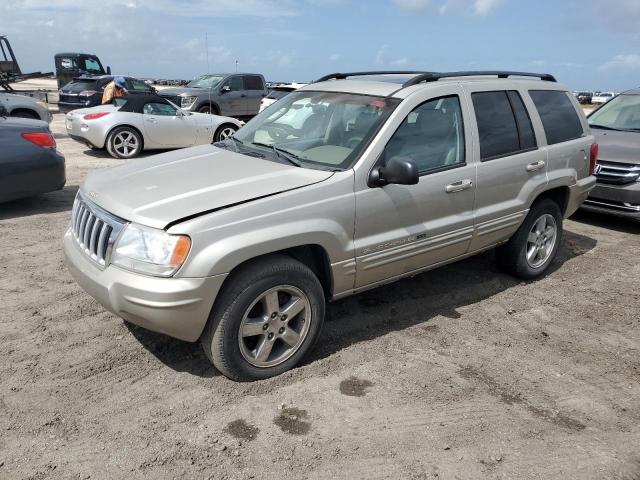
{"x":622,"y":62}
{"x":443,"y":7}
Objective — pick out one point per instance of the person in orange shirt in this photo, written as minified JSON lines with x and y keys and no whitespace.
{"x":116,"y":88}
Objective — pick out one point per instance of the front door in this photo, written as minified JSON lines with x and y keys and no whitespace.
{"x":233,"y":100}
{"x":165,"y":128}
{"x":405,"y":228}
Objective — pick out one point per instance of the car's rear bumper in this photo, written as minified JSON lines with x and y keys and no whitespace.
{"x":578,"y":193}
{"x":178,"y":307}
{"x":619,"y":200}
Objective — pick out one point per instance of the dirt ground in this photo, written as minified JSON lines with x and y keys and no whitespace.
{"x":460,"y":373}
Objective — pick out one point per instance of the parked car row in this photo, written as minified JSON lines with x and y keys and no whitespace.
{"x":596,"y":98}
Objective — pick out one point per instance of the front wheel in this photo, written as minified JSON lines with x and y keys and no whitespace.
{"x":266,"y":320}
{"x":224,"y":132}
{"x":530,"y":252}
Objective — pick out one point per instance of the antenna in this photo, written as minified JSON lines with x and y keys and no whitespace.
{"x":206,"y":42}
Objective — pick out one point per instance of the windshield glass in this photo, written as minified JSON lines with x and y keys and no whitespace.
{"x":205,"y":81}
{"x":325,"y":129}
{"x":620,"y":113}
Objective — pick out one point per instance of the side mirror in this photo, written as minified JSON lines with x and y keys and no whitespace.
{"x":225,"y":89}
{"x":180,"y":113}
{"x":398,"y":170}
{"x":108,"y":70}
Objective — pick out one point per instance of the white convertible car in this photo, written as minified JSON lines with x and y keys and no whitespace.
{"x":145,"y":122}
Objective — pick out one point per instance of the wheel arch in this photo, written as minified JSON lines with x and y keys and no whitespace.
{"x":211,"y":103}
{"x":30,"y":111}
{"x":560,"y":195}
{"x":106,"y":137}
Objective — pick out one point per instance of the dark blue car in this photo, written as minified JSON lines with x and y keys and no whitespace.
{"x":29,"y":162}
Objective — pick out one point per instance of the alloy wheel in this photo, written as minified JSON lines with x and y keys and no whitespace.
{"x":541,"y":240}
{"x":125,"y":144}
{"x":275,"y":326}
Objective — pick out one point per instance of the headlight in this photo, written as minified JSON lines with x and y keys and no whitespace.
{"x":151,"y":251}
{"x":188,"y":101}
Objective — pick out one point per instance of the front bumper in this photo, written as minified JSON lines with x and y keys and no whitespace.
{"x":178,"y":307}
{"x":578,"y":194}
{"x":619,"y":200}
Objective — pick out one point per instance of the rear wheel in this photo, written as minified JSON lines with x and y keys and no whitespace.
{"x":530,"y":252}
{"x":266,"y":320}
{"x":224,"y":132}
{"x":124,"y":142}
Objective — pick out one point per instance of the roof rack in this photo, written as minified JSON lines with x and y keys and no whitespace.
{"x":342,"y":76}
{"x":433,"y":77}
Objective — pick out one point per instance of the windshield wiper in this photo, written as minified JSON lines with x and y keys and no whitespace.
{"x":604,"y":127}
{"x":280,"y":153}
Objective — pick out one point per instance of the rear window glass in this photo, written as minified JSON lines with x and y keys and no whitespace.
{"x":559,"y":118}
{"x":83,"y":85}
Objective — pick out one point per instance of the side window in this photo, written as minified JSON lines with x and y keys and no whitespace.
{"x":432,"y":136}
{"x":558,"y":115}
{"x":497,"y":128}
{"x":525,"y":129}
{"x":235,"y":83}
{"x":67,"y":63}
{"x":253,"y":82}
{"x":163,"y":109}
{"x":91,"y":64}
{"x":138,"y":85}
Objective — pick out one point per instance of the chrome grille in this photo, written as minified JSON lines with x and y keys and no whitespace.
{"x":617,"y":173}
{"x":94,"y":230}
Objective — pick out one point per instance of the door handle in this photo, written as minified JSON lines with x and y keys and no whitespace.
{"x":459,"y":186}
{"x":152,"y":120}
{"x":532,"y":167}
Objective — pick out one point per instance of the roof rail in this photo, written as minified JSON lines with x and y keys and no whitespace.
{"x":342,"y":76}
{"x":433,"y":77}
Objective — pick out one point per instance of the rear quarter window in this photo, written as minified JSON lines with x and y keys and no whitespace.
{"x":559,"y":117}
{"x":253,"y":82}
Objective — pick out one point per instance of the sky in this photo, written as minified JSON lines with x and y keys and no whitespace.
{"x":586,"y":44}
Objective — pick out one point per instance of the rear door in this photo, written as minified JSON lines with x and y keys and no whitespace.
{"x":512,"y":167}
{"x":255,"y":92}
{"x":405,"y":228}
{"x":166,"y":129}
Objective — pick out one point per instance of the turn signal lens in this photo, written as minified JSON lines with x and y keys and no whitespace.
{"x":44,"y":140}
{"x":181,"y":250}
{"x":95,"y":116}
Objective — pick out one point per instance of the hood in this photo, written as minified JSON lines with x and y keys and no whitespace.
{"x":174,"y":92}
{"x":162,"y":189}
{"x":616,"y":146}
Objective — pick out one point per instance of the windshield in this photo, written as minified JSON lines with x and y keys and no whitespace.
{"x":205,"y":81}
{"x":620,"y":113}
{"x":324,"y":129}
{"x":91,"y":65}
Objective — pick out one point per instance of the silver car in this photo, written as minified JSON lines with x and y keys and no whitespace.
{"x":25,"y":107}
{"x":145,"y":122}
{"x":344,"y":185}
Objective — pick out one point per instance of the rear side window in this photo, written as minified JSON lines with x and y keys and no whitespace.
{"x":525,"y":129}
{"x":253,"y":82}
{"x":559,"y":117}
{"x":497,"y":127}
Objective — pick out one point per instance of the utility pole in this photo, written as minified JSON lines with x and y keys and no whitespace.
{"x":236,"y":66}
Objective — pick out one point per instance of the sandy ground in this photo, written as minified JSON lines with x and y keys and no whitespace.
{"x":460,"y":373}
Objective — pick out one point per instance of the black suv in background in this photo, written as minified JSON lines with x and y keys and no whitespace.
{"x":86,"y":91}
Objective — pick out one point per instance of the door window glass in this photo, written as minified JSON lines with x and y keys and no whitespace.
{"x":559,"y":118}
{"x":432,"y":136}
{"x":235,"y":83}
{"x":525,"y":129}
{"x":139,"y":85}
{"x":159,"y":109}
{"x":497,"y":129}
{"x":253,"y":82}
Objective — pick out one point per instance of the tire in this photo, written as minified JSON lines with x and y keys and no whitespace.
{"x":224,"y":131}
{"x":25,"y":114}
{"x":517,"y":255}
{"x":128,"y":135}
{"x":208,"y":109}
{"x":247,"y":295}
